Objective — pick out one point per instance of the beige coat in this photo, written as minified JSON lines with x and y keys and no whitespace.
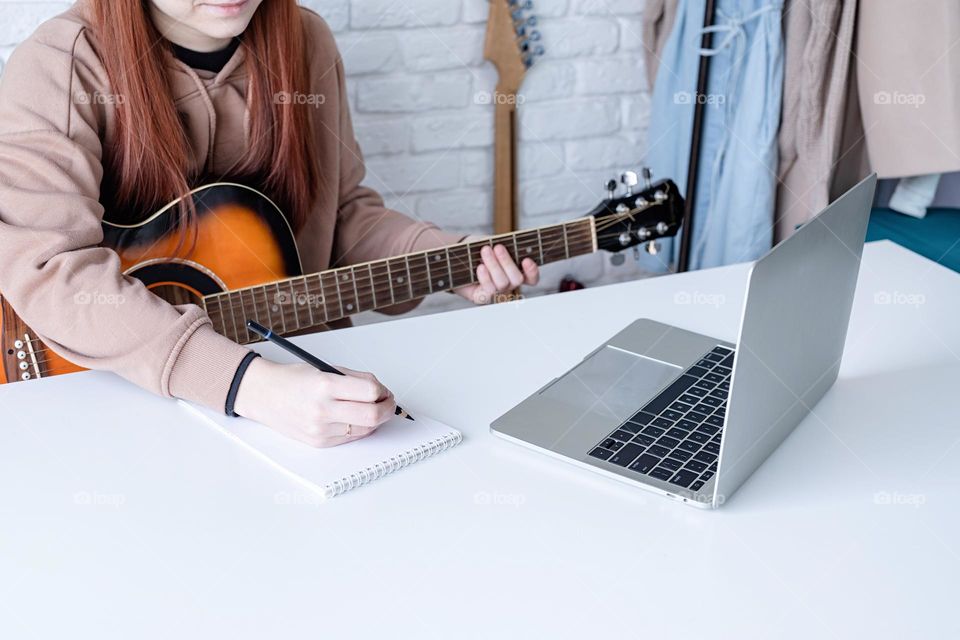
{"x":908,"y":73}
{"x":52,"y":148}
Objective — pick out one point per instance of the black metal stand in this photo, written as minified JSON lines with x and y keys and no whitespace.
{"x":699,"y":103}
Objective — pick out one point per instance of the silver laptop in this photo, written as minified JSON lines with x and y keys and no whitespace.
{"x":690,"y":416}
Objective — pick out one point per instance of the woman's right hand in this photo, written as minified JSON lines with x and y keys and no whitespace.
{"x":319,"y":409}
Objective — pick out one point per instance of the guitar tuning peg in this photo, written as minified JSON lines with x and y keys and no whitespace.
{"x":527,"y":5}
{"x":539,"y":51}
{"x":535,"y":35}
{"x":611,"y":187}
{"x":629,"y":179}
{"x":647,"y":177}
{"x":532,"y":21}
{"x":653,"y":247}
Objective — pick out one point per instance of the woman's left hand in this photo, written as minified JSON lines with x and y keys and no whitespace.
{"x":498,"y":274}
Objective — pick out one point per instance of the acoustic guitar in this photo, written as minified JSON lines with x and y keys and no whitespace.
{"x":240,"y":261}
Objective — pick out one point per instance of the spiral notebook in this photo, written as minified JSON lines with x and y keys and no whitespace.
{"x":329,"y":472}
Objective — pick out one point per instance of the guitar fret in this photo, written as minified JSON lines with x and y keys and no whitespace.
{"x":373,"y":286}
{"x":566,"y":246}
{"x":426,"y":261}
{"x":309,"y":301}
{"x":336,"y":281}
{"x":449,"y":266}
{"x":277,"y":300}
{"x":393,"y":300}
{"x":356,"y":294}
{"x":233,"y":319}
{"x":406,"y":260}
{"x":540,"y":243}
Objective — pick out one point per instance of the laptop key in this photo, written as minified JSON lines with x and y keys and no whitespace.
{"x":642,"y":417}
{"x":682,"y":407}
{"x":727,"y":362}
{"x":669,"y":443}
{"x":680,"y":454}
{"x":713,"y":401}
{"x":715,"y":421}
{"x":687,"y":399}
{"x":721,"y":350}
{"x":627,"y":454}
{"x":661,"y":474}
{"x":712,"y":447}
{"x":644,"y":463}
{"x":644,"y":439}
{"x":601,"y":453}
{"x":691,"y":464}
{"x":701,"y":409}
{"x":696,"y":436}
{"x":705,"y":363}
{"x":698,"y":418}
{"x":619,"y":434}
{"x":683,"y":478}
{"x":689,"y":425}
{"x":696,"y":485}
{"x":705,"y":456}
{"x":708,"y":428}
{"x":671,"y":463}
{"x":706,"y":475}
{"x":671,"y":415}
{"x":697,"y":391}
{"x":630,"y":427}
{"x":713,"y":357}
{"x":663,"y":423}
{"x":714,"y":377}
{"x":656,"y":432}
{"x":689,"y":445}
{"x":705,"y":384}
{"x":700,"y":371}
{"x":658,"y":451}
{"x":611,"y":444}
{"x":668,"y":395}
{"x":724,"y":371}
{"x":679,"y":434}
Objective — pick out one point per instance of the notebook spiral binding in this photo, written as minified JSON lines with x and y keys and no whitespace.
{"x":392,"y":464}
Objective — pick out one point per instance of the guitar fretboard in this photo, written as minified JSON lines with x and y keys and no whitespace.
{"x":305,"y":302}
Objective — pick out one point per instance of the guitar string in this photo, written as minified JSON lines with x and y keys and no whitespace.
{"x":417,"y":272}
{"x":368,"y":289}
{"x":331,"y":308}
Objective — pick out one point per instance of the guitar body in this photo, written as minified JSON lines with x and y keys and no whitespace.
{"x":240,"y":239}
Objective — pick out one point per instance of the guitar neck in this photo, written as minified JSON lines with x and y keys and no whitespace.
{"x":310,"y":301}
{"x":505,"y":163}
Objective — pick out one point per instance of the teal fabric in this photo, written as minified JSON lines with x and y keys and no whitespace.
{"x":937,"y":236}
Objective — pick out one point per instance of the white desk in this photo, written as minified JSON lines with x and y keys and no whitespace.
{"x":122,"y":517}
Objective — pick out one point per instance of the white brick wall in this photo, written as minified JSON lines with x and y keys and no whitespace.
{"x":415,"y":70}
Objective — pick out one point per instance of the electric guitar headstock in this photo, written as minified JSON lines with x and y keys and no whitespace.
{"x":633,"y":215}
{"x":512,"y":42}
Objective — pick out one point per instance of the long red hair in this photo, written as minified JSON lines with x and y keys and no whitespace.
{"x":147,"y":162}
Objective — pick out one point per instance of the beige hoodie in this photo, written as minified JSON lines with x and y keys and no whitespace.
{"x":52,"y":140}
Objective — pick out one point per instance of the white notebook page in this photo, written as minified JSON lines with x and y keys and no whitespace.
{"x":329,"y":472}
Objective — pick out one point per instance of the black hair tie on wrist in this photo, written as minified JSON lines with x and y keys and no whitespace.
{"x":235,"y":385}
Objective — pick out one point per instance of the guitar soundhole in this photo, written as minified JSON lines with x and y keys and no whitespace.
{"x":175,"y":294}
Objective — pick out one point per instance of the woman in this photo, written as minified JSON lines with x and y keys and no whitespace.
{"x":117,"y":105}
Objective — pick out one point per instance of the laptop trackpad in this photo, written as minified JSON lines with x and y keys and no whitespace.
{"x":611,"y":382}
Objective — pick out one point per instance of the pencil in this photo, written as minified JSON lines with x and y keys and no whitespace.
{"x":307,"y":357}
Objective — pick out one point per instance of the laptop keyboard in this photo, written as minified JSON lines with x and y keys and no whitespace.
{"x":676,"y":436}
